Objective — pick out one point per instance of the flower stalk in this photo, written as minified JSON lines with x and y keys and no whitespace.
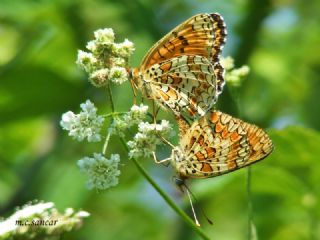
{"x":234,"y":78}
{"x":167,"y":199}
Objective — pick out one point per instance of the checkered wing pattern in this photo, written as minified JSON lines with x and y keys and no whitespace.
{"x":182,"y":71}
{"x":217,"y":144}
{"x":185,"y":83}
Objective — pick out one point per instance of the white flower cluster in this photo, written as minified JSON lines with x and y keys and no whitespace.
{"x":86,"y":124}
{"x":102,"y":172}
{"x":45,"y":216}
{"x":133,"y":117}
{"x":148,"y":137}
{"x":234,"y":76}
{"x":107,"y":60}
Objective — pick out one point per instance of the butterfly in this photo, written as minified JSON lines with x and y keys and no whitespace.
{"x":182,"y":71}
{"x":216,"y":144}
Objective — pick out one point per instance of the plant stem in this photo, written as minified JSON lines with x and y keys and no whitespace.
{"x":110,"y":98}
{"x":105,"y":145}
{"x":140,"y":168}
{"x":112,"y":114}
{"x":168,"y":200}
{"x":250,"y":208}
{"x":235,"y":97}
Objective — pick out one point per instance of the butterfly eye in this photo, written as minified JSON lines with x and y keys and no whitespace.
{"x":176,"y":155}
{"x":179,"y":182}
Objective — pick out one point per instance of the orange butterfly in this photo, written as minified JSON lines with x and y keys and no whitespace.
{"x":182,"y":71}
{"x":215,"y":144}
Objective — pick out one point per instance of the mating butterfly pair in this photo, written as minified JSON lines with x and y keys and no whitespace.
{"x":182,"y":72}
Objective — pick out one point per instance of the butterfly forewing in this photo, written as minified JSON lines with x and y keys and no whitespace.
{"x":182,"y":71}
{"x":218,"y":143}
{"x":202,"y":34}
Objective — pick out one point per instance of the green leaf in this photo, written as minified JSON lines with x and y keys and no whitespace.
{"x":295,"y":147}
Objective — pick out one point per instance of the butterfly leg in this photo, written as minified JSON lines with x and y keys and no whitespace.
{"x":166,"y":141}
{"x":155,"y":110}
{"x":166,"y":160}
{"x":133,"y":87}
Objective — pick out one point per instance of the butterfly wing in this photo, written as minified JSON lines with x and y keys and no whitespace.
{"x":202,"y":34}
{"x":185,"y":84}
{"x":182,"y":71}
{"x":218,"y":143}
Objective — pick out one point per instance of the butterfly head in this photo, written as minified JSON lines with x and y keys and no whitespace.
{"x":138,"y":80}
{"x":176,"y":156}
{"x":135,"y":77}
{"x":177,"y":159}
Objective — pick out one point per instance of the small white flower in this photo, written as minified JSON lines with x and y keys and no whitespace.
{"x":227,"y":63}
{"x":9,"y":229}
{"x":107,"y":60}
{"x":88,"y":107}
{"x":69,"y":211}
{"x":82,"y":214}
{"x":118,"y":61}
{"x":92,"y":46}
{"x":118,"y":75}
{"x":124,"y":49}
{"x":118,"y":126}
{"x":31,"y":210}
{"x":102,"y":172}
{"x":242,"y":71}
{"x":104,"y":36}
{"x":86,"y":124}
{"x":133,"y":117}
{"x":136,"y":114}
{"x":147,"y":138}
{"x":86,"y":61}
{"x":99,"y":78}
{"x":67,"y":120}
{"x":128,"y":45}
{"x":9,"y":226}
{"x":233,"y":76}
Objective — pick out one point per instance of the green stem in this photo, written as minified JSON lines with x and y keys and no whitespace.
{"x":235,"y":97}
{"x":112,"y":114}
{"x":250,"y":208}
{"x":110,"y":98}
{"x":313,"y":224}
{"x":105,"y":145}
{"x":168,"y":200}
{"x":140,"y":168}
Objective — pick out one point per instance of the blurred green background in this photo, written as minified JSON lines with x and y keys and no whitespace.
{"x":39,"y":80}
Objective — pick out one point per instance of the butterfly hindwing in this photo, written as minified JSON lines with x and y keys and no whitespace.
{"x":185,"y":84}
{"x":218,"y":143}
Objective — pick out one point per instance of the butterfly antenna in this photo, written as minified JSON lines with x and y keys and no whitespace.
{"x":195,"y":199}
{"x":193,"y":211}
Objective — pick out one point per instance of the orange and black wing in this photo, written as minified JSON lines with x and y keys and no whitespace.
{"x":218,"y":143}
{"x":202,"y":35}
